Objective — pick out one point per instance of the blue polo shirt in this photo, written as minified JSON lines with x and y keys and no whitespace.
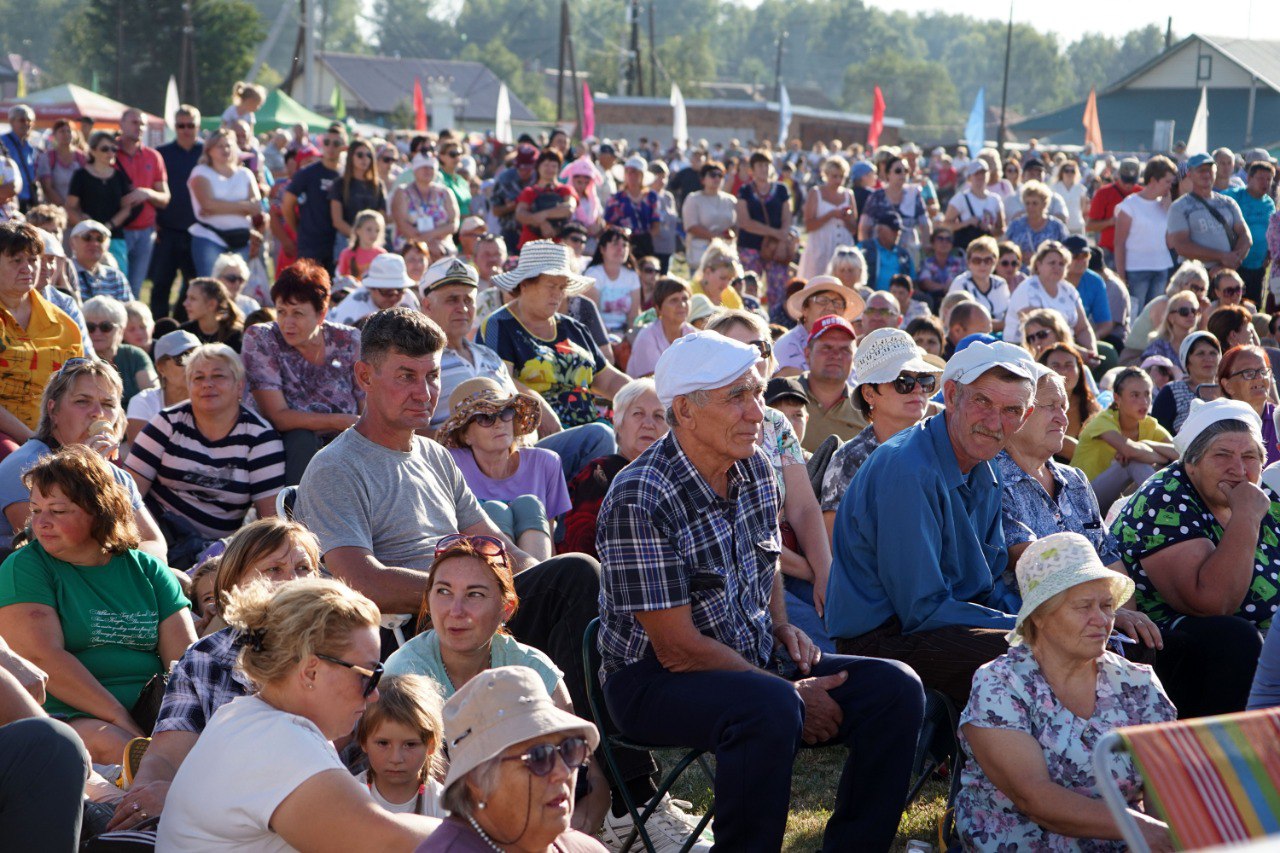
{"x":917,"y":539}
{"x":1257,"y":213}
{"x":1093,"y":296}
{"x":178,"y":215}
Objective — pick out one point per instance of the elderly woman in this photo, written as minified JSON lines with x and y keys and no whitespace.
{"x":1198,"y":355}
{"x":1036,"y":713}
{"x":711,"y":214}
{"x":1182,"y":314}
{"x":830,"y":218}
{"x":522,"y":489}
{"x":80,"y":405}
{"x":1082,"y":404}
{"x":105,"y":318}
{"x":980,"y":282}
{"x":424,"y":210}
{"x":312,"y":653}
{"x":550,"y":352}
{"x":764,"y":231}
{"x":205,"y":678}
{"x":516,"y":784}
{"x":1244,"y":374}
{"x":639,"y":420}
{"x":849,"y":266}
{"x":171,"y":357}
{"x":1204,"y":561}
{"x":213,"y":315}
{"x":822,"y":295}
{"x":300,"y":368}
{"x":1123,"y":445}
{"x":1048,"y":288}
{"x":225,"y":199}
{"x":1031,"y":231}
{"x":233,"y":272}
{"x":205,"y":462}
{"x":671,"y":299}
{"x":1190,"y":276}
{"x":82,"y":603}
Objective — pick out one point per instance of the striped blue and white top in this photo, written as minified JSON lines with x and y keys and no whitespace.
{"x":211,"y":484}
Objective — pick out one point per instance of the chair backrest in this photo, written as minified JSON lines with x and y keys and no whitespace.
{"x":818,"y":462}
{"x":591,"y":671}
{"x":285,"y":500}
{"x":1214,"y":780}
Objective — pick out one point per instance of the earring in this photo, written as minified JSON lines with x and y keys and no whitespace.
{"x":482,"y":805}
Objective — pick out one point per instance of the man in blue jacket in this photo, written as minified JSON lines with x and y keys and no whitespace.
{"x":918,"y":538}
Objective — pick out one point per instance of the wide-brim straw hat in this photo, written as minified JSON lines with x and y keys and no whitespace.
{"x":543,"y":257}
{"x":498,"y":709}
{"x":853,"y":303}
{"x":1055,"y":564}
{"x":483,"y":395}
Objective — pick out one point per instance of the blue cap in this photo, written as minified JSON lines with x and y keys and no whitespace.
{"x":861,"y":169}
{"x":977,"y":337}
{"x":1195,"y":161}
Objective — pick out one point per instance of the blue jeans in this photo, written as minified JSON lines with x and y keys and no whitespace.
{"x":798,"y":596}
{"x":752,"y":722}
{"x":579,"y":445}
{"x":1145,"y":285}
{"x":139,"y":243}
{"x":205,"y":253}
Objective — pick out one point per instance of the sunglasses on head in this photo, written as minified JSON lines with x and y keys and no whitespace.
{"x":371,"y":677}
{"x":73,"y":362}
{"x":488,"y":419}
{"x":541,"y":759}
{"x":907,"y":382}
{"x":485,"y":546}
{"x":101,"y":327}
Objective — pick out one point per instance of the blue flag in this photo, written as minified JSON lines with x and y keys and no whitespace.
{"x":975,"y":131}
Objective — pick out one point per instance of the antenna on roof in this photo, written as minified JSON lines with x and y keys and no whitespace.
{"x":1168,"y":33}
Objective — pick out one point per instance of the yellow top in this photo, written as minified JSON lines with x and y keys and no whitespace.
{"x":729,"y":299}
{"x":28,"y":357}
{"x":1093,"y":455}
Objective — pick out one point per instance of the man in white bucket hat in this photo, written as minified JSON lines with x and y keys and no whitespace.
{"x":386,"y":284}
{"x":917,"y":537}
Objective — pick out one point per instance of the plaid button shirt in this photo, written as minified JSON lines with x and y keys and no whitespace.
{"x":666,"y":540}
{"x":203,"y":680}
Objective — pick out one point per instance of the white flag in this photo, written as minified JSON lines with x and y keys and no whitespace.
{"x":171,"y":104}
{"x":502,"y":117}
{"x":1198,"y":138}
{"x":784,"y":116}
{"x":679,"y":119}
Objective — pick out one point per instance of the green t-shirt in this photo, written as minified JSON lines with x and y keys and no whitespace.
{"x":128,"y":361}
{"x":110,"y":615}
{"x":461,"y":192}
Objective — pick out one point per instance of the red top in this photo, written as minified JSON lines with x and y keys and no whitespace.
{"x":145,"y":168}
{"x":530,"y":196}
{"x":1105,"y":202}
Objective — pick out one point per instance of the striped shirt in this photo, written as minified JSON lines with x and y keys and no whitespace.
{"x":211,"y":484}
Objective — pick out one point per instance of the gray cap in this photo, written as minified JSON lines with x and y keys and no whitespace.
{"x":1130,"y":166}
{"x":175,"y":344}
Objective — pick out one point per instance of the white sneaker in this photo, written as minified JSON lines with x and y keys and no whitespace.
{"x":669,"y":827}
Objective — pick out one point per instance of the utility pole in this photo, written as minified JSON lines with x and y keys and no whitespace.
{"x":188,"y":84}
{"x":1168,"y":33}
{"x":636,"y":77}
{"x":573,"y":68}
{"x":1004,"y":90}
{"x":777,"y":67}
{"x":564,"y":34}
{"x":120,"y":50}
{"x":653,"y":56}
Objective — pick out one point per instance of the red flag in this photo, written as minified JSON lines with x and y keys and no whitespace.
{"x":419,"y":107}
{"x":588,"y":112}
{"x":877,"y":120}
{"x":1092,"y":127}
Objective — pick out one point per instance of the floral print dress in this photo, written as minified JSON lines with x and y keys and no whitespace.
{"x":1011,"y":693}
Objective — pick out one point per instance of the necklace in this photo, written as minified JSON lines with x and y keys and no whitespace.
{"x":483,"y":836}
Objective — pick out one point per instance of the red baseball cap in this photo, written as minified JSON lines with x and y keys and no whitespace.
{"x":829,"y":323}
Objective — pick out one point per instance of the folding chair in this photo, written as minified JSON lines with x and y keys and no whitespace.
{"x":609,"y":743}
{"x":1214,"y":780}
{"x":937,"y":745}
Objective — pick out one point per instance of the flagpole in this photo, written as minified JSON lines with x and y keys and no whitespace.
{"x":1004,"y":90}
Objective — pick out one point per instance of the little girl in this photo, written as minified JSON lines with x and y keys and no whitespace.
{"x":401,"y":734}
{"x":246,"y":99}
{"x":369,"y":235}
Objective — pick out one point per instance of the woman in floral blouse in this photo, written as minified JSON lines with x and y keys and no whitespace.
{"x":1036,"y":713}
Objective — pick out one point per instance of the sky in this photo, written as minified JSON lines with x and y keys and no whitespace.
{"x":1238,"y":18}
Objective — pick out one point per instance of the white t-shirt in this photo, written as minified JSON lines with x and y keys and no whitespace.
{"x":1145,"y":247}
{"x":146,"y":404}
{"x":249,"y":758}
{"x":238,"y":187}
{"x":1031,"y":294}
{"x":996,"y":299}
{"x":1074,"y":196}
{"x":615,"y":295}
{"x":969,"y":205}
{"x":431,"y":798}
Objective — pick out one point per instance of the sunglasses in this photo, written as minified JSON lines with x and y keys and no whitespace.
{"x":652,"y":270}
{"x":577,"y":240}
{"x":907,"y":382}
{"x":1068,"y":171}
{"x":1009,"y":262}
{"x":233,"y":279}
{"x":485,"y":546}
{"x":362,"y":155}
{"x":492,"y":238}
{"x":371,"y":676}
{"x":1042,"y":335}
{"x":1184,"y":311}
{"x":93,"y":237}
{"x":1250,"y":374}
{"x":332,"y":143}
{"x":715,"y":174}
{"x":106,"y":149}
{"x":983,"y":260}
{"x":488,"y":419}
{"x":386,"y":159}
{"x":1231,"y":291}
{"x":897,"y":171}
{"x":186,"y":125}
{"x":73,"y":362}
{"x":541,"y":760}
{"x":450,"y":153}
{"x":765,"y":347}
{"x":101,"y":327}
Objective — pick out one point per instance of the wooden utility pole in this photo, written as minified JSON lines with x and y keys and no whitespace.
{"x":777,"y":66}
{"x":653,"y":56}
{"x":1004,"y":90}
{"x":564,"y":34}
{"x":635,"y":77}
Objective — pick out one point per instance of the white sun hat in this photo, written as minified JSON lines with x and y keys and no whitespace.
{"x":387,"y":272}
{"x":977,"y":358}
{"x":884,"y":354}
{"x":543,"y":257}
{"x":1056,"y":563}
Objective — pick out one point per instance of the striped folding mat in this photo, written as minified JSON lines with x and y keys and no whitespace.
{"x":1214,"y":780}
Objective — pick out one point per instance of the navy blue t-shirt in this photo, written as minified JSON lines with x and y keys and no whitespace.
{"x":315,"y":224}
{"x":178,"y":164}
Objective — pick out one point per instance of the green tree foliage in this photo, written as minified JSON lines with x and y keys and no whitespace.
{"x":921,"y":91}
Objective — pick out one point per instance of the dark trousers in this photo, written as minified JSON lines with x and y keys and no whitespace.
{"x":752,"y":722}
{"x":172,"y":255}
{"x":945,"y":659}
{"x":300,"y":445}
{"x":1254,"y":285}
{"x":558,"y":599}
{"x":1207,"y":664}
{"x":43,"y":768}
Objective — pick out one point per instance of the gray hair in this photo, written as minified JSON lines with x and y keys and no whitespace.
{"x":1200,"y":445}
{"x":228,"y":260}
{"x":106,"y":306}
{"x":457,"y":797}
{"x":140,"y":311}
{"x":22,"y":110}
{"x":216,"y":352}
{"x":628,"y":394}
{"x":699,"y":398}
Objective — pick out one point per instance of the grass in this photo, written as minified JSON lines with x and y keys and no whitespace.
{"x":813,"y":784}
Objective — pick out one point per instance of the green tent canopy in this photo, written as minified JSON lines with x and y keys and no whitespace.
{"x":279,"y":112}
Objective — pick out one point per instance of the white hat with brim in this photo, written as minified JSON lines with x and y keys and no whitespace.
{"x":1205,"y":413}
{"x":543,"y":257}
{"x":701,"y":361}
{"x":1055,"y":564}
{"x":884,"y":354}
{"x":424,"y":161}
{"x":977,"y":358}
{"x":853,"y":303}
{"x":640,"y":165}
{"x":86,"y":225}
{"x":498,"y":709}
{"x":387,"y":272}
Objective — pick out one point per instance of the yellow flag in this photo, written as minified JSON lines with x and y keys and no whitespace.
{"x":22,"y":85}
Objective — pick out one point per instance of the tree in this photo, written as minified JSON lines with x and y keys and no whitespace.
{"x":918,"y":90}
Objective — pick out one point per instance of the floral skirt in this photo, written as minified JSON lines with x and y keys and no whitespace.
{"x":775,"y":275}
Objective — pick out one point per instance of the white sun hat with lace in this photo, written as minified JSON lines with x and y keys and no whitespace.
{"x":884,"y":354}
{"x":1054,"y":564}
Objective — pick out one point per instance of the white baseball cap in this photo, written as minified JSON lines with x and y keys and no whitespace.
{"x":977,"y":358}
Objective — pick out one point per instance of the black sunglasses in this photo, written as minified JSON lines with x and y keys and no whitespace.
{"x":386,"y":159}
{"x":101,"y":327}
{"x":371,"y":676}
{"x":488,"y":419}
{"x":541,"y":760}
{"x":1184,"y":311}
{"x":1042,"y":335}
{"x":74,"y":362}
{"x":765,"y":347}
{"x":185,"y":126}
{"x":485,"y":546}
{"x":907,"y":382}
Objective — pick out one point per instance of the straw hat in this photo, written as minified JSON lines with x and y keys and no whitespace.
{"x":498,"y":709}
{"x":1054,"y":564}
{"x":483,"y":395}
{"x":884,"y":354}
{"x":853,"y":303}
{"x":542,"y":257}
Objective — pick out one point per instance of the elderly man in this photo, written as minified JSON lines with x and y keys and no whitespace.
{"x":89,"y":241}
{"x":883,"y":311}
{"x":172,"y":253}
{"x":697,"y":651}
{"x":918,"y":540}
{"x":967,"y":318}
{"x":17,"y":144}
{"x":1205,"y":225}
{"x":146,"y":171}
{"x":830,"y":355}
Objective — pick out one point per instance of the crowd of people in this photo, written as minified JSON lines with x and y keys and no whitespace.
{"x":303,"y":547}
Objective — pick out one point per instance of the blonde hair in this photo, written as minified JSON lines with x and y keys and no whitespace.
{"x":216,"y":352}
{"x":285,"y":625}
{"x":724,"y":321}
{"x":63,"y":383}
{"x":369,"y":216}
{"x":242,"y":90}
{"x":718,"y":254}
{"x":414,"y":702}
{"x":1050,"y":319}
{"x":1165,"y":332}
{"x":1036,"y":189}
{"x":1049,"y":247}
{"x":1183,"y":276}
{"x":212,"y":142}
